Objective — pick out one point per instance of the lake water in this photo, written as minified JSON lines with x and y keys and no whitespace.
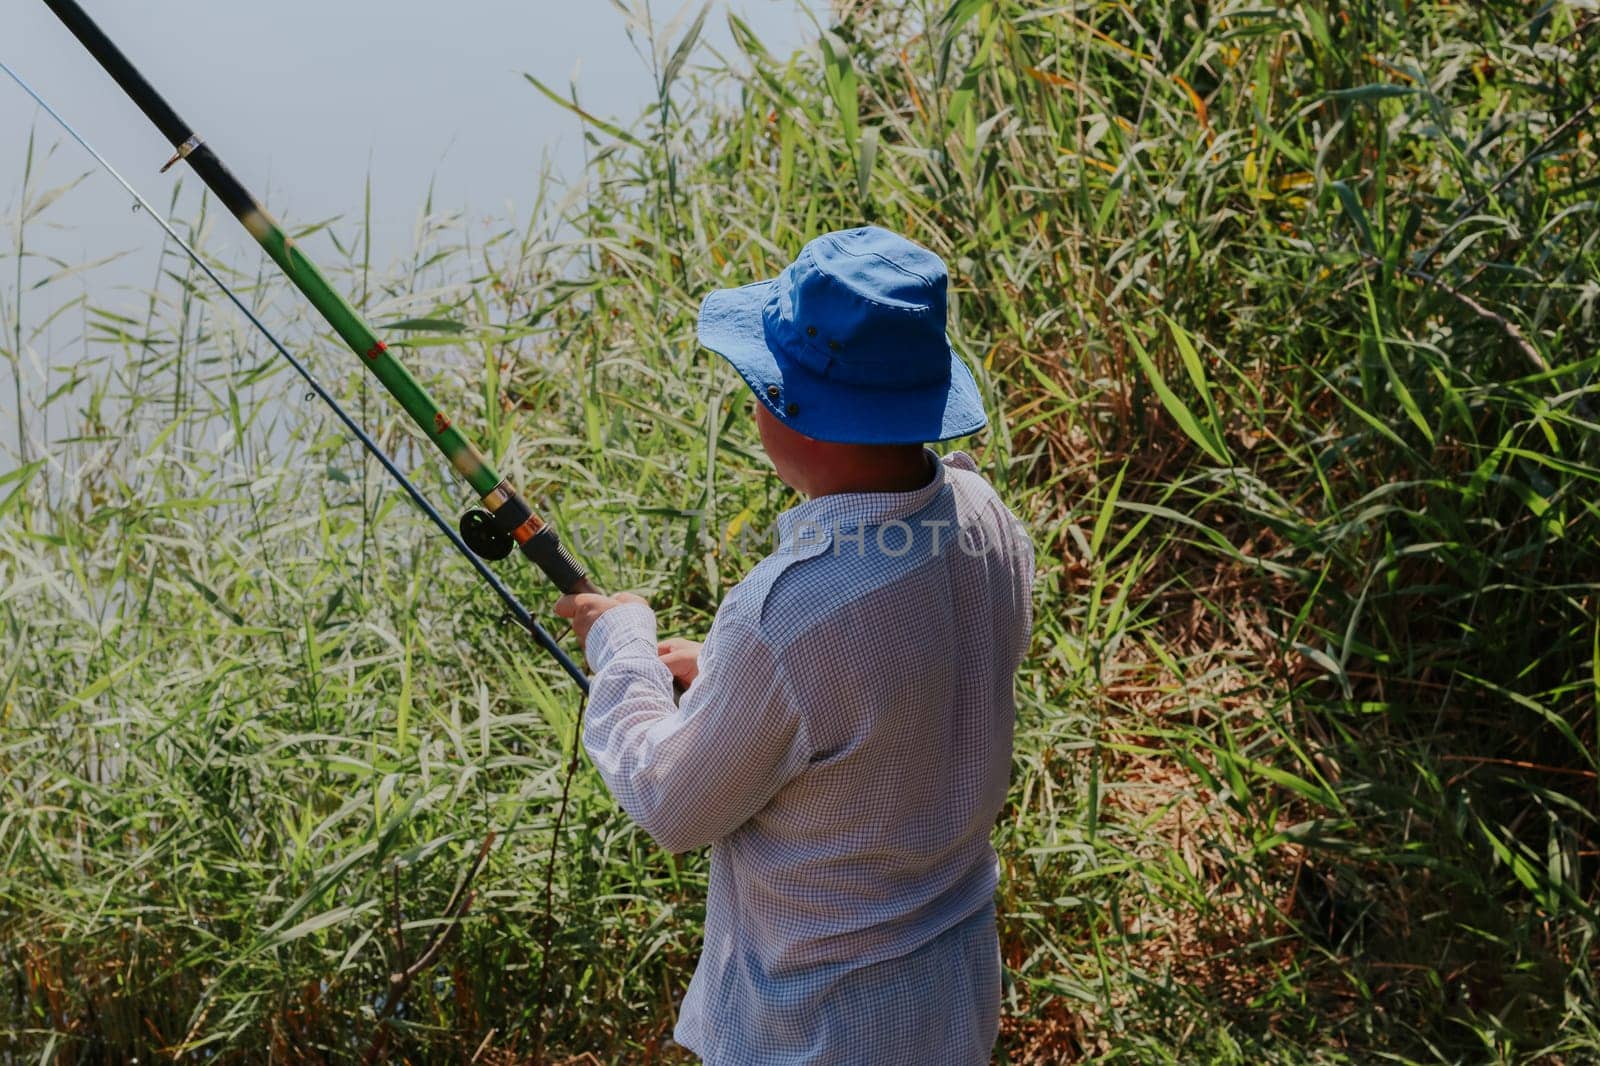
{"x":304,"y":99}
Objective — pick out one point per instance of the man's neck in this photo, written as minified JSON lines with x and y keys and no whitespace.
{"x":882,"y":469}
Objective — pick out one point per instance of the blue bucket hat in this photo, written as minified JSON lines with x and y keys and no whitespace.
{"x":848,"y":343}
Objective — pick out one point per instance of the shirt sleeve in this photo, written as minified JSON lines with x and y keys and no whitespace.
{"x":693,"y":772}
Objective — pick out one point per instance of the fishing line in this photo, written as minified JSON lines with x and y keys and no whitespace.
{"x":514,"y":608}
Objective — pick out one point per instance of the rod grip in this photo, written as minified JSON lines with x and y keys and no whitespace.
{"x":545,"y":550}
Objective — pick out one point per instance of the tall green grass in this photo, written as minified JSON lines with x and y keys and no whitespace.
{"x":1287,"y":320}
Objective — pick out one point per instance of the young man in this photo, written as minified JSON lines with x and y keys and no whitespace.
{"x":843,"y":742}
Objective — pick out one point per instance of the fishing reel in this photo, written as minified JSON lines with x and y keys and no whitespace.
{"x":485,"y":536}
{"x":512,"y":526}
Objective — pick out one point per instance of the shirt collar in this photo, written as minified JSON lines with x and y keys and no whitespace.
{"x":813,"y":523}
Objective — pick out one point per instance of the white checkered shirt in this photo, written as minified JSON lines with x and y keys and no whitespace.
{"x":845,"y":751}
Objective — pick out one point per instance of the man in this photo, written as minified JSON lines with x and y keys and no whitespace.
{"x":843,"y":742}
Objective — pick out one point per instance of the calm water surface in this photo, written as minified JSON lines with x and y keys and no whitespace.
{"x":303,"y":99}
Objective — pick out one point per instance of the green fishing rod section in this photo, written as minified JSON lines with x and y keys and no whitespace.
{"x":506,"y":522}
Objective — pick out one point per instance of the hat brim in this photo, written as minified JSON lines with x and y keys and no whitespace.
{"x":731,"y":325}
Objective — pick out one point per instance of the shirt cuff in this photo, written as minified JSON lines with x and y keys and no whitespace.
{"x":626,"y":630}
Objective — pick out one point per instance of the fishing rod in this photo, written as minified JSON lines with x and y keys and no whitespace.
{"x":515,"y":611}
{"x":506,"y":521}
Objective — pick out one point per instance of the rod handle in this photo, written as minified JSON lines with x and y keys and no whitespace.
{"x":545,"y":550}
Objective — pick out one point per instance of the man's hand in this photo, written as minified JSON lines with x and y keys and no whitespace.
{"x":585,"y":608}
{"x":682,"y":657}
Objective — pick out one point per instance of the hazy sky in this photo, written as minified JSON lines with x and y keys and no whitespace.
{"x":300,"y":97}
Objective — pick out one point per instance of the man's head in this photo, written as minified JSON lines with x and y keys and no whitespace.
{"x":847,"y":347}
{"x":821,"y":468}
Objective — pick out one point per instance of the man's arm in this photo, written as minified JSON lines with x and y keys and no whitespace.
{"x":689,"y":773}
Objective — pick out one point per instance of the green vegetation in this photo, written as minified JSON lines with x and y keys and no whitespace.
{"x":1288,"y":320}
